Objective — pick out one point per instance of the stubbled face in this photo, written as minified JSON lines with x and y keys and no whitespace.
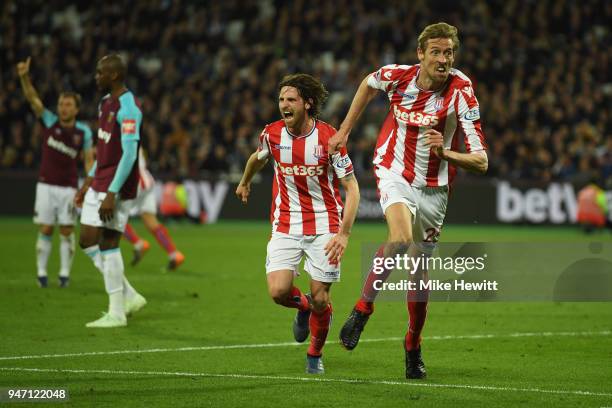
{"x":104,"y":77}
{"x":67,"y":109}
{"x":292,"y":107}
{"x":437,"y":59}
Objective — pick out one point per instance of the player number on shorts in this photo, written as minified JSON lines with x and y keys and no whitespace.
{"x":432,"y":235}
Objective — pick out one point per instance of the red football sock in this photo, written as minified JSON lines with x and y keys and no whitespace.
{"x":130,"y":234}
{"x":297,"y":300}
{"x":162,"y":236}
{"x":319,"y":327}
{"x":417,"y":311}
{"x":369,"y":293}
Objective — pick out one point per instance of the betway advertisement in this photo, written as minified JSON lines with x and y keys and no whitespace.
{"x":471,"y":201}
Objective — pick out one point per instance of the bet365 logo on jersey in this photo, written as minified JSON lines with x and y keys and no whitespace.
{"x":414,"y":118}
{"x":300,"y":170}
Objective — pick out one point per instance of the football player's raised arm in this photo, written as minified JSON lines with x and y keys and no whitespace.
{"x":365,"y":93}
{"x":129,"y":118}
{"x":23,"y":70}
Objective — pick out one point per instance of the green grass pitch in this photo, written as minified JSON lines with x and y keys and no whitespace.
{"x":178,"y":350}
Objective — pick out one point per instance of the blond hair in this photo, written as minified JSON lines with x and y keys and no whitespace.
{"x":438,"y":30}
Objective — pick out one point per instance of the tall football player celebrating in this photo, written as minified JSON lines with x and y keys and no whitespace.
{"x":416,"y":153}
{"x":108,"y":193}
{"x":307,"y":212}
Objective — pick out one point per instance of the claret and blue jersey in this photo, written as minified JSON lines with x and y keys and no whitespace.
{"x":120,"y":121}
{"x":61,"y":147}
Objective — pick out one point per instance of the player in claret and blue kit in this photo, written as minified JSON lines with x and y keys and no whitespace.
{"x":109,"y":191}
{"x":63,"y":141}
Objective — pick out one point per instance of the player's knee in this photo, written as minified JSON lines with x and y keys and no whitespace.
{"x":320,"y":301}
{"x":400,"y":238}
{"x":398,"y":245}
{"x":46,"y":230}
{"x":279,"y":294}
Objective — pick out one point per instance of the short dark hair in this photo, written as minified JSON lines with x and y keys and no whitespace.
{"x":439,"y":30}
{"x":116,"y":64}
{"x":73,"y":95}
{"x":310,"y":89}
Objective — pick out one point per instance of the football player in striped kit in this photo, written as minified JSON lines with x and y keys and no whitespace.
{"x":431,"y":106}
{"x":307,"y":214}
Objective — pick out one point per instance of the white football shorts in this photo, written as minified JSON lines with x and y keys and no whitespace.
{"x":91,"y":206}
{"x":54,"y":205}
{"x":427,"y":205}
{"x":144,"y":202}
{"x":285,"y":252}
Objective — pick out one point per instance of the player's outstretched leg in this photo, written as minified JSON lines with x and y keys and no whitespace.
{"x":320,"y":321}
{"x":66,"y":255}
{"x":140,"y":245}
{"x":43,"y":250}
{"x":175,"y":257}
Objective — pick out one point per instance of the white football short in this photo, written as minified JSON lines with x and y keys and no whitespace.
{"x":285,"y":252}
{"x":144,"y":202}
{"x":91,"y":206}
{"x":54,"y":205}
{"x":427,"y":205}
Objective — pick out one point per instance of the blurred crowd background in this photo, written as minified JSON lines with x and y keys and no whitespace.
{"x":207,"y":74}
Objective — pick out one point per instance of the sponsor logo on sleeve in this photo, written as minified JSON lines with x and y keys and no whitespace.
{"x":387,"y":75}
{"x":128,"y":127}
{"x":472,"y":115}
{"x":344,"y":162}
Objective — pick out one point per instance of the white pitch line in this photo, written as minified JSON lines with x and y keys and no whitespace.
{"x":293,"y":344}
{"x":311,"y":379}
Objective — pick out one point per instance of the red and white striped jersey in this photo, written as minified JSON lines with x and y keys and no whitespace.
{"x":452,"y":110}
{"x":145,"y":179}
{"x":305,"y":195}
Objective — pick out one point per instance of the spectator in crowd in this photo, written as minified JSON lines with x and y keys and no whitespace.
{"x":206,"y":73}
